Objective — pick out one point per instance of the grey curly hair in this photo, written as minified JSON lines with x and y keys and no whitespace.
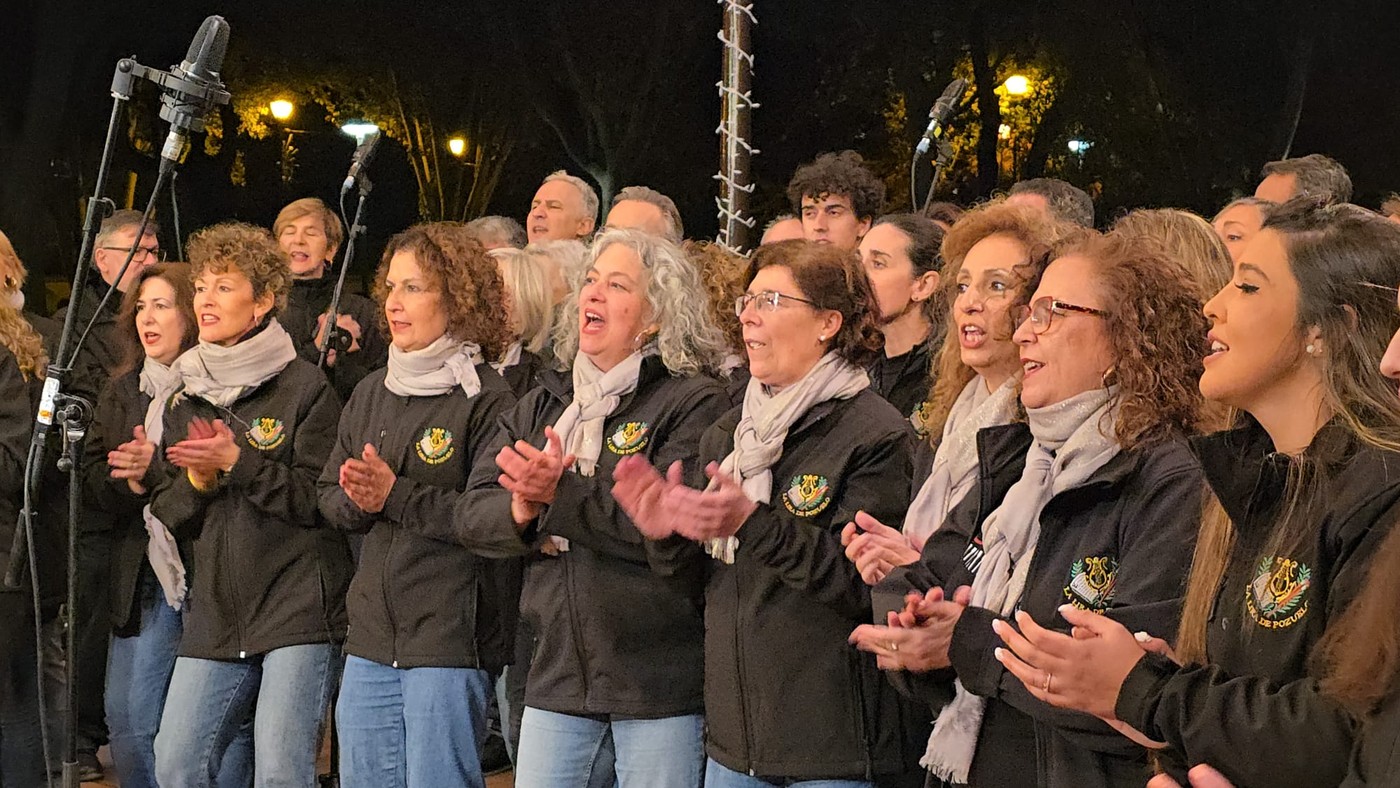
{"x":689,"y":343}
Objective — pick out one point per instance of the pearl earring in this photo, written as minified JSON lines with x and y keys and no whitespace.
{"x":1311,"y":349}
{"x":821,"y":338}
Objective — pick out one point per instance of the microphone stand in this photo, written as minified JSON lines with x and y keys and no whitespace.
{"x":74,"y":413}
{"x":940,"y":163}
{"x":356,"y":229}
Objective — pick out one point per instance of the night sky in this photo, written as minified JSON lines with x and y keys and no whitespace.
{"x":824,"y":73}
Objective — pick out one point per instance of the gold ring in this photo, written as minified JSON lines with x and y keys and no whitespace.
{"x":1046,"y":688}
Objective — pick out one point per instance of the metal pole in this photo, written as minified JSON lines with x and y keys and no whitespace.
{"x":737,"y":105}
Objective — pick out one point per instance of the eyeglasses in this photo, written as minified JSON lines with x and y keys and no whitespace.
{"x":766,"y":301}
{"x":142,"y":252}
{"x":1043,"y":311}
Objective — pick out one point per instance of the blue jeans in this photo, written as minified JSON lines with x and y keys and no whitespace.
{"x":209,"y":700}
{"x":138,"y":675}
{"x":717,"y":776}
{"x":564,"y":751}
{"x":411,"y":727}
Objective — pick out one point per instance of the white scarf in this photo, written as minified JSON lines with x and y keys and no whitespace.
{"x":596,"y":395}
{"x":508,"y":359}
{"x":1072,"y":440}
{"x":955,"y":463}
{"x":434,"y":370}
{"x":764,"y":425}
{"x":220,"y":375}
{"x":159,"y":382}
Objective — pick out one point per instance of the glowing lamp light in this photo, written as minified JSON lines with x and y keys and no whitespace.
{"x":281,"y":109}
{"x":1080,"y":147}
{"x":359,"y":129}
{"x":1017,"y":85}
{"x":1004,"y":131}
{"x":457,"y":146}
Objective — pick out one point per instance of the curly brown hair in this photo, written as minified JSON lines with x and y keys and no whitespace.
{"x":1157,"y":329}
{"x":473,"y":293}
{"x":128,"y":338}
{"x":723,"y":274}
{"x":15,"y":332}
{"x":841,"y":174}
{"x":1029,"y":227}
{"x":834,"y":279}
{"x":248,"y":249}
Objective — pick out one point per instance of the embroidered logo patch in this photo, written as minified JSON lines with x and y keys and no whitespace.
{"x":266,"y":433}
{"x":1278,"y":596}
{"x":1092,"y":581}
{"x":628,"y":438}
{"x":435,"y":447}
{"x":807,"y":495}
{"x":919,"y":418}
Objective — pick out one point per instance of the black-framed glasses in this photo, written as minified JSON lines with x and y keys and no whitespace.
{"x":142,"y":252}
{"x":1043,"y":311}
{"x":766,"y":301}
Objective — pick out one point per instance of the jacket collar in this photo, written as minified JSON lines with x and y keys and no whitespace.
{"x":560,"y":382}
{"x":1241,"y":466}
{"x":1007,"y":443}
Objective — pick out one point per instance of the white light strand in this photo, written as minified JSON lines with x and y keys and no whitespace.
{"x":733,"y":103}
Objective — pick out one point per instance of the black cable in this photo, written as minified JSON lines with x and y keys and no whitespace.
{"x":32,"y":461}
{"x":175,"y":215}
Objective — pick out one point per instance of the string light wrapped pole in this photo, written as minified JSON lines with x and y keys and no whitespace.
{"x":737,"y":105}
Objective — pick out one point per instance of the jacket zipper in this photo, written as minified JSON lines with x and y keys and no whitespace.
{"x":580,"y":653}
{"x":233,"y":587}
{"x":739,"y":665}
{"x":384,"y":584}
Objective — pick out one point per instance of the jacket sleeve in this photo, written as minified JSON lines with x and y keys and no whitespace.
{"x":339,"y":511}
{"x":481,"y":520}
{"x":940,"y":565}
{"x":411,"y":501}
{"x":584,"y":510}
{"x":811,"y":560}
{"x":1156,"y":537}
{"x":287,"y":491}
{"x":16,"y":423}
{"x":1217,"y":718}
{"x":110,"y":429}
{"x":174,"y":500}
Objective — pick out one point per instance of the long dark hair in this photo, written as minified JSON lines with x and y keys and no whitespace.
{"x":177,"y":275}
{"x":1337,"y":254}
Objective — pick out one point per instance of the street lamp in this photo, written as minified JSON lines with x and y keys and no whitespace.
{"x":1017,"y":85}
{"x":281,"y":109}
{"x":359,"y":129}
{"x":457,"y":146}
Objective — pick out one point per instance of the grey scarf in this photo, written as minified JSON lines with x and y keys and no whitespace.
{"x":434,"y":370}
{"x":220,"y":375}
{"x":1072,"y":440}
{"x":159,"y":382}
{"x":955,"y":463}
{"x":764,"y":425}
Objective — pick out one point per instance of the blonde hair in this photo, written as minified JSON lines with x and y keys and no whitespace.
{"x":310,"y":206}
{"x":16,"y":334}
{"x":1189,"y":238}
{"x":527,"y":284}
